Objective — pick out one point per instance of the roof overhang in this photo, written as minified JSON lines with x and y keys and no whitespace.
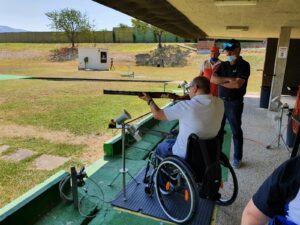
{"x":159,"y":13}
{"x":243,"y":19}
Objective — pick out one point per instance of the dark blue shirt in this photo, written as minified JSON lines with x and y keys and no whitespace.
{"x":278,"y":194}
{"x":241,"y":69}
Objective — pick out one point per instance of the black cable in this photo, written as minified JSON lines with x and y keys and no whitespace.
{"x":95,"y":207}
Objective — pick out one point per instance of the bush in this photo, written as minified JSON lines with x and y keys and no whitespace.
{"x":63,"y":54}
{"x":167,"y":56}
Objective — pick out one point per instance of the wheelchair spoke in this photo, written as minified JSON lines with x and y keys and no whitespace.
{"x":175,"y":191}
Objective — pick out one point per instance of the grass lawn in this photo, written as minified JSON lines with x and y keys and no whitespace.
{"x":18,"y":177}
{"x":75,"y":110}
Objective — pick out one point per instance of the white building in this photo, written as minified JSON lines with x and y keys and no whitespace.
{"x":93,"y":58}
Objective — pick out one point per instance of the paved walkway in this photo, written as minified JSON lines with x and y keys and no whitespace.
{"x":258,"y":162}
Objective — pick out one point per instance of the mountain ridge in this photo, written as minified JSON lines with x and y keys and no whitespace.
{"x":7,"y":29}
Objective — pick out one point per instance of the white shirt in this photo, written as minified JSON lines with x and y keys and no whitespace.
{"x":293,"y":209}
{"x":208,"y":64}
{"x":201,"y":115}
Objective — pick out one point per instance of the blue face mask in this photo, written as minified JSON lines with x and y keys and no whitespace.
{"x":213,"y":59}
{"x":231,"y":58}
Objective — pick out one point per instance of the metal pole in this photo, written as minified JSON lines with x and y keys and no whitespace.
{"x":279,"y":128}
{"x":123,"y":158}
{"x":74,"y":187}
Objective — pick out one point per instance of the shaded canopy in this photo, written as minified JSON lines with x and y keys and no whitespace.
{"x":243,"y":19}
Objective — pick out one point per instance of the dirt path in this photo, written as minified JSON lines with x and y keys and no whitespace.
{"x":94,"y":143}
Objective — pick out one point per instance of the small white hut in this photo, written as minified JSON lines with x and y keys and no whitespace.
{"x":93,"y":59}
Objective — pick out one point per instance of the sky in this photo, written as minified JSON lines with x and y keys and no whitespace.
{"x":30,"y":14}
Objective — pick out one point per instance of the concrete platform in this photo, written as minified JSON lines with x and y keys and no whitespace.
{"x":49,"y":162}
{"x":258,"y":162}
{"x":19,"y":155}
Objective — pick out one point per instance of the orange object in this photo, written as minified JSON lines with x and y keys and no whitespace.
{"x":214,"y":49}
{"x":296,"y":111}
{"x":186,"y":195}
{"x":168,"y":186}
{"x":208,"y":72}
{"x":221,"y":184}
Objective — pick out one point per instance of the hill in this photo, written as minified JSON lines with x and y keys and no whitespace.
{"x":6,"y":29}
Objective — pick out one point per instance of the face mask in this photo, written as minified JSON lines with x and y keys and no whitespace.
{"x":231,"y":58}
{"x":213,"y":59}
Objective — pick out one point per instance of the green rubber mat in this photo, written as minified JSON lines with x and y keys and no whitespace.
{"x":12,"y":77}
{"x":226,"y":149}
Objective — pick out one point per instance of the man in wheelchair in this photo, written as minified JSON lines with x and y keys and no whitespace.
{"x":201,"y":115}
{"x":189,"y":166}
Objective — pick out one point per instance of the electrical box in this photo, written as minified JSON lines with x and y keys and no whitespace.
{"x":93,"y":59}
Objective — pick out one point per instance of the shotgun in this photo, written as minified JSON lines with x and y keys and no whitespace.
{"x":151,"y":94}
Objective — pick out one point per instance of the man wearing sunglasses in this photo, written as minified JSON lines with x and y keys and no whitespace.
{"x":232,"y":78}
{"x":201,"y":115}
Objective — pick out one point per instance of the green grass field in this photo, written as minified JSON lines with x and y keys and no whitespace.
{"x":56,"y":111}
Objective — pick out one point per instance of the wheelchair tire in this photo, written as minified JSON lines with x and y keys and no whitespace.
{"x":175,"y":189}
{"x":229,"y":190}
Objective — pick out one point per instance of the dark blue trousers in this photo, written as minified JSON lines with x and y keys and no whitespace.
{"x":233,"y":113}
{"x":164,"y":149}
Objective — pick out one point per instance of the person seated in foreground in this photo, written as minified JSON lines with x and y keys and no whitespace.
{"x":202,"y":115}
{"x":277,"y":201}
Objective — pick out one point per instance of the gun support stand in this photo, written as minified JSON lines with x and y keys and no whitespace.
{"x":123,"y":170}
{"x":74,"y":187}
{"x":279,"y":135}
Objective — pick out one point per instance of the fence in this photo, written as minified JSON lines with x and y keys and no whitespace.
{"x":118,"y":35}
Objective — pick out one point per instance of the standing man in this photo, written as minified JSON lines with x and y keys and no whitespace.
{"x":208,"y":67}
{"x":112,"y":67}
{"x":232,"y":78}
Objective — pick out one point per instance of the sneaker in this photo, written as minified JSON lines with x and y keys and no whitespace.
{"x":236,"y":163}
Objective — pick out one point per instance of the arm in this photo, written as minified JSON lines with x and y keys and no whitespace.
{"x":234,"y":83}
{"x":156,"y":111}
{"x":201,"y":70}
{"x":228,"y":82}
{"x":253,"y":216}
{"x":216,"y":79}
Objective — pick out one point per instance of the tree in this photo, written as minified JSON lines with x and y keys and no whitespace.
{"x":71,"y":22}
{"x":142,"y":28}
{"x":123,"y":25}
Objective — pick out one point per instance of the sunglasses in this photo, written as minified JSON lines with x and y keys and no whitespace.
{"x":189,"y":87}
{"x":228,"y":45}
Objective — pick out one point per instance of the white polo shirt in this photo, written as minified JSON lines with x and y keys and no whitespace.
{"x":201,"y":115}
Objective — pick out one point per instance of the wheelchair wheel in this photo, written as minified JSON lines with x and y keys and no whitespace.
{"x":229,"y":186}
{"x":175,"y":190}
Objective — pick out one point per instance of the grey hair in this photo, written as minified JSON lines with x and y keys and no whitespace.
{"x":202,"y":83}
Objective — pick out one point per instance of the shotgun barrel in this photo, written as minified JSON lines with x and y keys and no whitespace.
{"x":151,"y":94}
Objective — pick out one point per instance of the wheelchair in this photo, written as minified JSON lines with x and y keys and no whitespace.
{"x":179,"y":183}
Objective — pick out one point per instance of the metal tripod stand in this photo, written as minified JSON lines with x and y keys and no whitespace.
{"x":279,"y":135}
{"x":123,"y":170}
